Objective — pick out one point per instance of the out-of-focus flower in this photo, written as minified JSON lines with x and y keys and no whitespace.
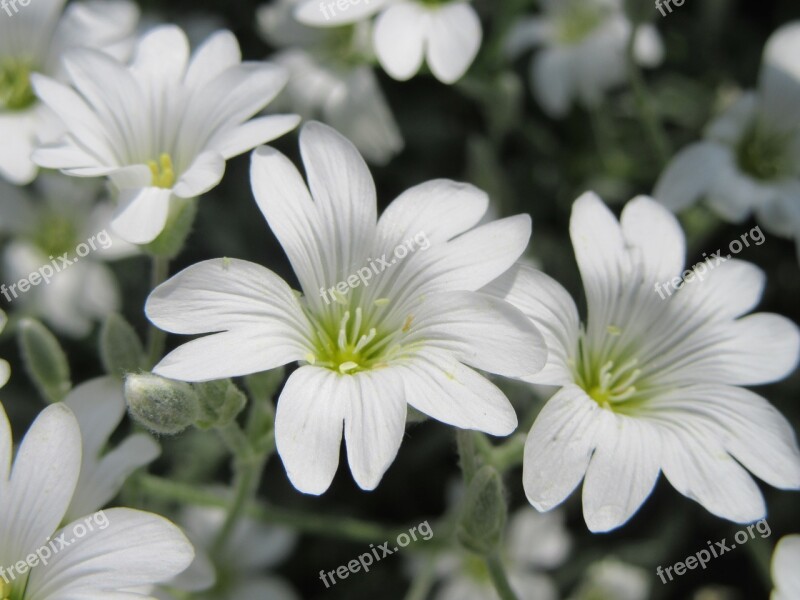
{"x":61,"y":218}
{"x":583,"y":51}
{"x":651,"y":383}
{"x":613,"y":579}
{"x":239,"y":574}
{"x":126,"y":551}
{"x":162,"y":128}
{"x":750,"y":159}
{"x":446,"y":34}
{"x":785,"y":576}
{"x":33,"y":40}
{"x":99,"y":406}
{"x":412,"y":333}
{"x":331,"y":78}
{"x":536,"y":542}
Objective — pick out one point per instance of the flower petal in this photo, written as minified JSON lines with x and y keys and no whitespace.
{"x":545,"y":302}
{"x":622,"y":473}
{"x":779,"y":80}
{"x":286,"y":204}
{"x":18,"y":132}
{"x":308,"y":426}
{"x":374,"y":424}
{"x":454,"y":38}
{"x":344,"y":195}
{"x":690,"y":175}
{"x":331,"y":14}
{"x":482,"y":331}
{"x":42,"y":482}
{"x":205,"y":173}
{"x":142,"y":214}
{"x":399,"y":39}
{"x":656,"y":237}
{"x":560,"y":445}
{"x":699,"y":468}
{"x":748,"y":427}
{"x":245,"y":137}
{"x":263,"y":324}
{"x":785,"y":575}
{"x":441,"y":387}
{"x":441,"y":209}
{"x":133,"y":548}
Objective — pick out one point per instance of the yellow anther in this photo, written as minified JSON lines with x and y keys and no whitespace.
{"x":407,"y":324}
{"x":346,"y":367}
{"x":310,"y":358}
{"x":381,"y":302}
{"x":163,"y":171}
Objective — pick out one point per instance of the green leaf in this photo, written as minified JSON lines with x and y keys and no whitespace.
{"x":121,"y":349}
{"x":45,"y":360}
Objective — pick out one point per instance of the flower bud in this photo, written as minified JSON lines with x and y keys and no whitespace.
{"x":483,"y":518}
{"x":163,"y":406}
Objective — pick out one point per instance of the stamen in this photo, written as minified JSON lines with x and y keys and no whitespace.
{"x":163,"y":171}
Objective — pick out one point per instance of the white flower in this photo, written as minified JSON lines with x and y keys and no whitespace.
{"x":613,"y":579}
{"x":535,"y":542}
{"x":750,"y":159}
{"x":412,"y":334}
{"x":163,"y":127}
{"x":33,"y":40}
{"x":785,"y":575}
{"x":135,"y":549}
{"x":583,"y":51}
{"x":61,"y":215}
{"x":99,"y":406}
{"x":330,"y":78}
{"x":253,"y":548}
{"x":444,"y":33}
{"x":651,"y":384}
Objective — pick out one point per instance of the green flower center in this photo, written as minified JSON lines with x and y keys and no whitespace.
{"x":16,"y":92}
{"x":163,"y":171}
{"x":9,"y":591}
{"x":612,"y":379}
{"x":433,"y":2}
{"x":577,"y":19}
{"x":55,"y":235}
{"x":764,"y":154}
{"x":349,"y":339}
{"x":346,"y":45}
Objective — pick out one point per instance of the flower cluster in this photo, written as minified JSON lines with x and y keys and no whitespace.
{"x":298,"y":339}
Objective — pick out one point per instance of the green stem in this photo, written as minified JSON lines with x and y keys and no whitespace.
{"x":644,"y":104}
{"x":499,"y":578}
{"x":465,"y":440}
{"x":248,"y":466}
{"x":469,"y":444}
{"x":327,"y":526}
{"x":156,"y":338}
